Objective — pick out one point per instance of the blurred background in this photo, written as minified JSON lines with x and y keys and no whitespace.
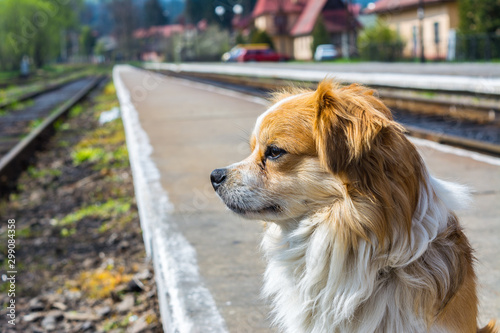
{"x":95,"y":31}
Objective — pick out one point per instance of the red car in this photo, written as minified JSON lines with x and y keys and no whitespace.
{"x":261,"y":55}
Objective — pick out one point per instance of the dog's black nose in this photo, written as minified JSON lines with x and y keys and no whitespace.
{"x":217,"y":177}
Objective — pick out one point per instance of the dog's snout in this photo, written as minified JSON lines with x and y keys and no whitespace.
{"x":217,"y":177}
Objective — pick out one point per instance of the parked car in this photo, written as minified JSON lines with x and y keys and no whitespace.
{"x":261,"y":55}
{"x":325,"y":52}
{"x":233,"y":54}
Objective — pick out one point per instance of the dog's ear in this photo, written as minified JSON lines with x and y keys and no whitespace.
{"x":346,"y":124}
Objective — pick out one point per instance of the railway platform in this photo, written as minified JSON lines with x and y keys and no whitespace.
{"x":207,"y":261}
{"x":467,"y":78}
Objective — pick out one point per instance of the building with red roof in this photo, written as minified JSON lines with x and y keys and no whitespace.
{"x":440,"y":20}
{"x":290,"y":24}
{"x":156,"y":42}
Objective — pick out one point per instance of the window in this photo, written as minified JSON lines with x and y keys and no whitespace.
{"x":436,"y":32}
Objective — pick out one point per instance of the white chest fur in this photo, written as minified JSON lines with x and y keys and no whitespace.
{"x":318,"y":286}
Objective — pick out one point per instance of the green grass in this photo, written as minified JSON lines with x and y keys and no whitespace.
{"x":117,"y":158}
{"x":47,"y":71}
{"x":113,"y":324}
{"x":344,"y":61}
{"x":68,"y":232}
{"x":16,"y":106}
{"x":14,"y":92}
{"x":90,"y":154}
{"x":34,"y":124}
{"x":95,"y":147}
{"x":335,"y":61}
{"x":8,"y":75}
{"x":26,"y":232}
{"x":76,"y":110}
{"x":42,"y":173}
{"x":63,"y":143}
{"x":105,"y":211}
{"x":428,"y":94}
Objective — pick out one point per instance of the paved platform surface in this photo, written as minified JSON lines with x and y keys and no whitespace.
{"x":193,"y":129}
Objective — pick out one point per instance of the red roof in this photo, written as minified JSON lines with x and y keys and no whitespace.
{"x":336,"y":20}
{"x":164,"y":31}
{"x":383,"y":6}
{"x":272,"y":6}
{"x":241,"y":22}
{"x":355,"y":9}
{"x":307,"y":19}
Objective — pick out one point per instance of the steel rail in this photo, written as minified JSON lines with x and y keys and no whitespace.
{"x":14,"y":162}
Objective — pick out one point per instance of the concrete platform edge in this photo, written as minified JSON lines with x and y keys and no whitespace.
{"x":186,"y":305}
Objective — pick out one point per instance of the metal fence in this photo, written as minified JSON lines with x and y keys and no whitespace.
{"x":381,"y":51}
{"x":459,"y":47}
{"x":477,"y":47}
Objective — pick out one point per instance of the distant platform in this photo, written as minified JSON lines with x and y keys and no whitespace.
{"x":383,"y":75}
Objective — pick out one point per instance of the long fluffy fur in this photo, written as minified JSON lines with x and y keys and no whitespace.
{"x":317,"y":285}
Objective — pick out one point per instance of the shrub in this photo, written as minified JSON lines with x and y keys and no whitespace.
{"x":212,"y":43}
{"x":260,"y":36}
{"x":320,"y":34}
{"x":380,"y":43}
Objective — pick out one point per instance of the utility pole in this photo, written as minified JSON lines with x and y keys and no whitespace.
{"x":420,"y":14}
{"x":350,"y":31}
{"x":280,"y":22}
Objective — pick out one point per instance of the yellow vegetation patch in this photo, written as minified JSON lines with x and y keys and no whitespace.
{"x":100,"y":283}
{"x":103,"y":136}
{"x":110,"y":89}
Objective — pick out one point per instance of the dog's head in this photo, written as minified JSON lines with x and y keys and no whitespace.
{"x":313,"y":148}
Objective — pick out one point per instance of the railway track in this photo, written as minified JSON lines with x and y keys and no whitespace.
{"x":35,"y":78}
{"x":24,"y":131}
{"x":32,"y":93}
{"x":458,"y":120}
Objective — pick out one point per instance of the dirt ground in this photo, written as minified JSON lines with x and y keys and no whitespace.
{"x":79,"y":254}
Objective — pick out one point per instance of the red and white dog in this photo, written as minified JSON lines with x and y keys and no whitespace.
{"x":360,"y":237}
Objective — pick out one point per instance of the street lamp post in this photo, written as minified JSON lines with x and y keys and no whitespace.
{"x":280,"y":22}
{"x":238,"y":9}
{"x":420,"y":14}
{"x":350,"y":32}
{"x":221,"y":11}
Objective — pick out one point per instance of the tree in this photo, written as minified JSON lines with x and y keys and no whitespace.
{"x":211,"y":44}
{"x":380,"y":42}
{"x":33,"y":28}
{"x":87,"y":40}
{"x":320,"y":34}
{"x":240,"y":39}
{"x":479,"y":16}
{"x":197,"y":10}
{"x":123,"y":12}
{"x":479,"y":30}
{"x":153,"y":12}
{"x":260,"y":36}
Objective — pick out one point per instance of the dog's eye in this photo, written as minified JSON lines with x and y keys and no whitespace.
{"x":274,"y":152}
